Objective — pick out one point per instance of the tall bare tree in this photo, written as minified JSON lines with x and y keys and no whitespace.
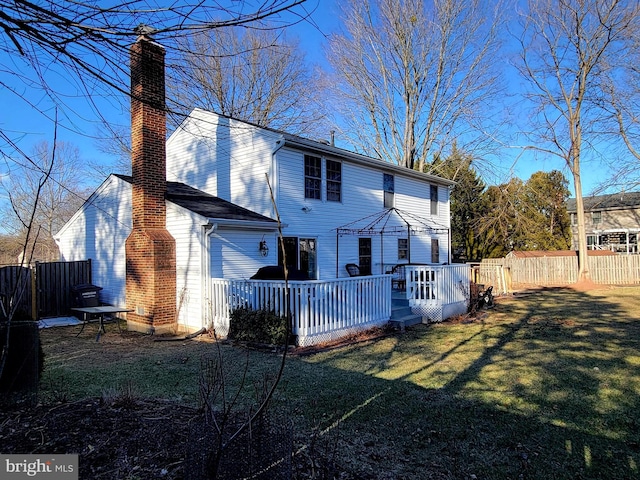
{"x":87,"y":44}
{"x":44,"y":190}
{"x":571,"y":50}
{"x":253,"y":75}
{"x":415,"y":75}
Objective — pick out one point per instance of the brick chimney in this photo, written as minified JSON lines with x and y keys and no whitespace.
{"x":150,"y":248}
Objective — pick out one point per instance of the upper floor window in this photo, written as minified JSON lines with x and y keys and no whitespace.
{"x":388,"y":185}
{"x":433,"y":194}
{"x":312,"y":177}
{"x":596,"y":217}
{"x":574,"y":220}
{"x":334,"y":181}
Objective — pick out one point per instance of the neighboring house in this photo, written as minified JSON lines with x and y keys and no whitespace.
{"x":227,"y":181}
{"x":612,"y":222}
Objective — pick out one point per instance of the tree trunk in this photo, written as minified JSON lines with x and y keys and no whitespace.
{"x":583,"y":260}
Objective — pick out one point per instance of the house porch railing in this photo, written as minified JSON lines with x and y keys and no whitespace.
{"x":438,"y":292}
{"x":322,"y":310}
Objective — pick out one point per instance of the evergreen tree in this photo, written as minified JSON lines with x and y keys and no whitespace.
{"x":468,"y":204}
{"x":547,"y":194}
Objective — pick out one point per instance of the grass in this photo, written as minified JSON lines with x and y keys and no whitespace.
{"x":545,"y":385}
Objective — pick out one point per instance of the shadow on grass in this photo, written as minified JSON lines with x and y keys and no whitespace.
{"x":546,"y":386}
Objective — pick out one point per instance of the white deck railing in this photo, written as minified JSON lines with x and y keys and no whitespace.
{"x":322,"y":310}
{"x":438,"y":291}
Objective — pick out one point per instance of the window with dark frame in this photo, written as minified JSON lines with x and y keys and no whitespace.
{"x":312,"y":177}
{"x":388,"y":185}
{"x":434,"y":199}
{"x":596,"y":217}
{"x":334,"y":181}
{"x":403,"y":249}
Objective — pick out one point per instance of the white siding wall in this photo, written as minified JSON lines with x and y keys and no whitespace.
{"x":235,"y":254}
{"x":362,"y":195}
{"x":225,"y":158}
{"x":98,"y":231}
{"x":186,"y":229}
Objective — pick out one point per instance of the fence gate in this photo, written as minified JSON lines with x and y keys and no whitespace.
{"x":46,"y":287}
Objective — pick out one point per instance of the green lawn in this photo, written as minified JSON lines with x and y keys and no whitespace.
{"x":543,"y":386}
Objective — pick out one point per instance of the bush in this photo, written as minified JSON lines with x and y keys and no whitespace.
{"x":259,"y":326}
{"x":25,"y":359}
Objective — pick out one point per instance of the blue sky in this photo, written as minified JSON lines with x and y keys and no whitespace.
{"x":79,"y":123}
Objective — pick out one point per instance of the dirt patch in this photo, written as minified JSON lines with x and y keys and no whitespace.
{"x":120,"y":435}
{"x":123,"y":438}
{"x":587,"y":286}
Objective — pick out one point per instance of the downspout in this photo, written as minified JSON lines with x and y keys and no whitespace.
{"x":337,"y":252}
{"x":274,"y":167}
{"x":207,"y":230}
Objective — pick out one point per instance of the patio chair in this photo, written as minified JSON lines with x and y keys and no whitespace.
{"x":399,"y":281}
{"x":352,"y":269}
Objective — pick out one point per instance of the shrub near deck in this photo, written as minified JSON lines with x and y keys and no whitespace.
{"x":259,"y":326}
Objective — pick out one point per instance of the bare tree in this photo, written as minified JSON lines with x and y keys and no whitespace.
{"x":87,"y":43}
{"x":42,"y":194}
{"x":414,"y":76}
{"x":571,"y":49}
{"x":253,"y":75}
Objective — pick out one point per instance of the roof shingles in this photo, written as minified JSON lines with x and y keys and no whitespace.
{"x":207,"y":205}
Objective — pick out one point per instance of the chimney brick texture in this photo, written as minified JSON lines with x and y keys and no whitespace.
{"x":150,"y":248}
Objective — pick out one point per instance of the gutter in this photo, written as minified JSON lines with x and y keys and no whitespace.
{"x":273,"y":175}
{"x":248,"y":224}
{"x":358,"y":159}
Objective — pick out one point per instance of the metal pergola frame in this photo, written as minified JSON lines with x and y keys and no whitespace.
{"x":390,"y":221}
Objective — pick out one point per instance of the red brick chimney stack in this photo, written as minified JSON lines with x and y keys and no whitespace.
{"x":150,"y":248}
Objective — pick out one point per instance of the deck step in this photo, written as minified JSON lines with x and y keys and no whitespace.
{"x":401,"y":314}
{"x":407,"y":321}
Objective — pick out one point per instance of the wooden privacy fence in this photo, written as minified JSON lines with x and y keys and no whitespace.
{"x":44,"y":289}
{"x":606,"y":270}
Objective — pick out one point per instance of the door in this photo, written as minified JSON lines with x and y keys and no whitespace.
{"x":301,"y":254}
{"x":364,"y":256}
{"x":290,"y":251}
{"x":308,"y":257}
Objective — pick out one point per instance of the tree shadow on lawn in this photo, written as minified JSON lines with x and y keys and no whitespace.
{"x":546,"y":386}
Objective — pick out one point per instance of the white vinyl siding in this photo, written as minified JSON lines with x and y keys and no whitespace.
{"x":235,"y":253}
{"x":186,"y":229}
{"x":98,"y":232}
{"x":225,"y":158}
{"x":362,"y":195}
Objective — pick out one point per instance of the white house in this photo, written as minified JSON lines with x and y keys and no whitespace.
{"x":228,"y":183}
